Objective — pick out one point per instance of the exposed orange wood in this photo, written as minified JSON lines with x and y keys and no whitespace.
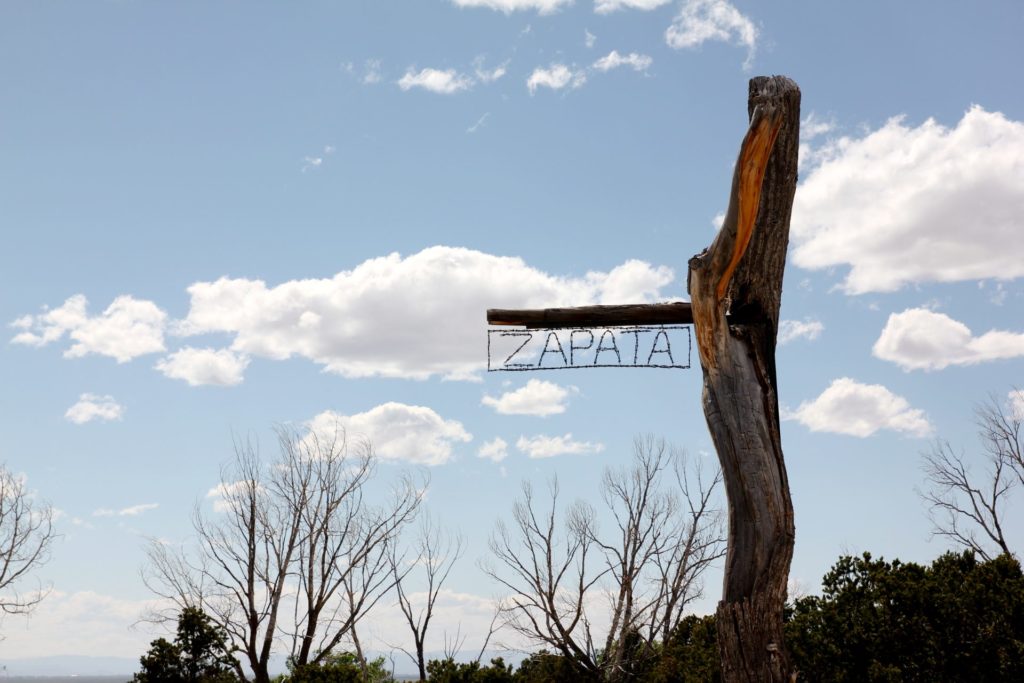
{"x":757,"y":149}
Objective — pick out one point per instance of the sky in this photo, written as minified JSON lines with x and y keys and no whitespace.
{"x":218,"y":218}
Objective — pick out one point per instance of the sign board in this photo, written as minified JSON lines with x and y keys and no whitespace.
{"x":637,"y":346}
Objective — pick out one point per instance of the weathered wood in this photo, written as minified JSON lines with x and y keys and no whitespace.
{"x":740,"y":275}
{"x":677,"y":313}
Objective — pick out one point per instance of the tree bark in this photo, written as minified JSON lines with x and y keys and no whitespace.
{"x":740,"y":275}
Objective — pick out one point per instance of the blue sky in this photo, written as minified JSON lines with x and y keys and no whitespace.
{"x":217,"y":218}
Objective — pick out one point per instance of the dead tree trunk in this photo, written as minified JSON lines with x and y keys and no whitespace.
{"x":740,"y":275}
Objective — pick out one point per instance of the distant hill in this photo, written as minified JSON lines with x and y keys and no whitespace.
{"x":42,"y":669}
{"x":68,"y":665}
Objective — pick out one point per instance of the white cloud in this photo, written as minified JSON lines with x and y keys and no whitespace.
{"x":445,"y":82}
{"x":606,"y":6}
{"x":312,"y":163}
{"x":413,"y":434}
{"x":222,"y":493}
{"x":82,"y":623}
{"x":555,"y":77}
{"x":220,"y":367}
{"x":905,"y":205}
{"x":813,"y":126}
{"x":849,"y":407}
{"x":614,"y":60}
{"x":999,"y":294}
{"x":550,"y":446}
{"x":589,"y":38}
{"x":384,"y":317}
{"x":127,"y":328}
{"x":94,"y":407}
{"x":537,"y":397}
{"x":495,"y":450}
{"x":453,"y":612}
{"x":485,"y":75}
{"x":509,"y":6}
{"x":699,"y":21}
{"x":1016,"y":399}
{"x":372,"y":72}
{"x":790,"y":330}
{"x":133,"y":511}
{"x":920,"y":339}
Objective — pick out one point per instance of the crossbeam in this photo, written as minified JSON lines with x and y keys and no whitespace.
{"x":676,"y":313}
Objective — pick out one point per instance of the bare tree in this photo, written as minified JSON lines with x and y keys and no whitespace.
{"x":436,"y":553}
{"x":548,"y":568}
{"x":26,"y":532}
{"x":648,"y":567}
{"x":970,"y":508}
{"x":662,"y":545}
{"x":343,"y":561}
{"x":298,"y":533}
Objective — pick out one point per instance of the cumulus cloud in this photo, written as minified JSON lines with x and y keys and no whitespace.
{"x":133,"y":511}
{"x":613,"y":60}
{"x":791,"y":330}
{"x":495,"y":450}
{"x":810,"y":154}
{"x":555,"y":77}
{"x":94,"y":407}
{"x":537,"y":397}
{"x":414,"y":434}
{"x":813,"y":126}
{"x":920,"y":339}
{"x":699,"y":21}
{"x":450,"y":81}
{"x":589,"y":38}
{"x":382,"y":317}
{"x":445,"y":82}
{"x":904,"y":205}
{"x":509,"y":6}
{"x":128,"y":328}
{"x":550,"y":446}
{"x":220,"y":367}
{"x":849,"y":407}
{"x":606,"y":6}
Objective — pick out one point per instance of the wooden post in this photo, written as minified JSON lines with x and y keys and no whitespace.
{"x":740,"y":274}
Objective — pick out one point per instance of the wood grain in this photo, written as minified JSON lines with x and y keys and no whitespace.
{"x":739,"y":278}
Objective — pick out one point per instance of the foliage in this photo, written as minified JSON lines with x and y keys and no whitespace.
{"x":449,"y":671}
{"x":199,"y":654}
{"x":690,"y":655}
{"x":342,"y":667}
{"x":545,"y":667}
{"x":959,"y":620}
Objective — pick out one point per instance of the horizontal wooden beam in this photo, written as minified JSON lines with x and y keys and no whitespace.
{"x":677,"y":313}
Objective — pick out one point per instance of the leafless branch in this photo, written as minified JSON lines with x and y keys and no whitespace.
{"x":648,"y":565}
{"x":26,"y":533}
